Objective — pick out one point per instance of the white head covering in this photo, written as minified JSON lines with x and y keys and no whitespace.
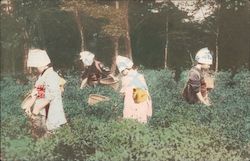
{"x":37,"y":58}
{"x":204,"y":56}
{"x":87,"y":57}
{"x":123,"y":63}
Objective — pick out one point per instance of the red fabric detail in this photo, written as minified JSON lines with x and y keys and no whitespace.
{"x":40,"y":91}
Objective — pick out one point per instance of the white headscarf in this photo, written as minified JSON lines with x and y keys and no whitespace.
{"x":37,"y":58}
{"x":204,"y":56}
{"x":123,"y":63}
{"x":87,"y":57}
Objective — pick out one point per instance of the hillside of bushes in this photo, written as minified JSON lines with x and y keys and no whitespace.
{"x":177,"y":131}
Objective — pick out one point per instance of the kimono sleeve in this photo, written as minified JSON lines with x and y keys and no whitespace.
{"x":195,"y":81}
{"x":85,"y":73}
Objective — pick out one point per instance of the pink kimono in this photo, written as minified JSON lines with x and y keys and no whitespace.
{"x":138,"y":111}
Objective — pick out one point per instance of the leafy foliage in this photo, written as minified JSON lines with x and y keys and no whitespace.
{"x":115,"y":17}
{"x":176,"y":131}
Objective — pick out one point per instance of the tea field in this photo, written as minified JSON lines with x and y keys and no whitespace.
{"x":177,"y":131}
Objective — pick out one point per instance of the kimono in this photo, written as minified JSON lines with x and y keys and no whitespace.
{"x":133,"y":110}
{"x":196,"y":83}
{"x":48,"y":88}
{"x":95,"y":72}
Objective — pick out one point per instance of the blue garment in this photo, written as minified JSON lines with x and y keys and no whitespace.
{"x":136,"y":82}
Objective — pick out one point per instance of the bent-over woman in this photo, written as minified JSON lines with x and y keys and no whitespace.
{"x":137,"y":101}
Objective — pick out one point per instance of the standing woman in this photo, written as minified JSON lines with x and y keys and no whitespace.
{"x":47,"y":94}
{"x":137,"y":101}
{"x":196,"y":87}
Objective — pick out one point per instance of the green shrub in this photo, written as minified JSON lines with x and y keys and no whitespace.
{"x":176,"y":131}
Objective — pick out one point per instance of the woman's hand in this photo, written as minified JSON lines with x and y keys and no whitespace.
{"x":28,"y":111}
{"x":113,"y":77}
{"x":203,"y":100}
{"x":84,"y":83}
{"x":37,"y":108}
{"x":207,"y":103}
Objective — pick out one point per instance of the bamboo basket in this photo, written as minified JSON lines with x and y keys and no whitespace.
{"x":209,"y":79}
{"x":27,"y":102}
{"x":109,"y":81}
{"x":95,"y":98}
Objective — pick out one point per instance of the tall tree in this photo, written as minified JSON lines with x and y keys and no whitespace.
{"x":114,"y":28}
{"x":172,"y":16}
{"x":116,"y":44}
{"x":27,"y":13}
{"x":9,"y":40}
{"x":209,"y":15}
{"x":76,"y":7}
{"x":127,"y":38}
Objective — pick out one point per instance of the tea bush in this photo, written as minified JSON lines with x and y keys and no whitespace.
{"x":176,"y":131}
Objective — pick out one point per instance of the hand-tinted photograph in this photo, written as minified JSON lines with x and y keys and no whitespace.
{"x":125,"y":80}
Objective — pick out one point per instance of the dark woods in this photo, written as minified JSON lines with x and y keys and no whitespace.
{"x":154,"y":34}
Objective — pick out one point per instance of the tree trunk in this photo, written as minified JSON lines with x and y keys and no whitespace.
{"x":248,"y":14}
{"x":217,"y":34}
{"x":117,"y":6}
{"x":26,"y":70}
{"x":116,"y":46}
{"x":127,"y":37}
{"x":80,"y":28}
{"x":166,"y":45}
{"x":13,"y":61}
{"x":41,"y":34}
{"x":116,"y":52}
{"x":217,"y":50}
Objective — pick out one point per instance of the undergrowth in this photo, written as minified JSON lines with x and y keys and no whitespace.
{"x":176,"y":131}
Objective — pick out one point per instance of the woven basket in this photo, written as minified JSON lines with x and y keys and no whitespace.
{"x":110,"y":82}
{"x":95,"y":98}
{"x":209,"y":81}
{"x":27,"y":102}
